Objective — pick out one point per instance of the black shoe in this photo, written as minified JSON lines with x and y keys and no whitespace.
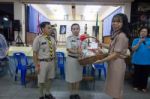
{"x":50,"y":96}
{"x":77,"y":96}
{"x":72,"y":97}
{"x":41,"y":98}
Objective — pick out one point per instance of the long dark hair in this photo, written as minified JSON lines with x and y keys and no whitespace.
{"x":125,"y":25}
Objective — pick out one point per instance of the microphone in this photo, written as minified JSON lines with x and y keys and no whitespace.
{"x":143,"y":41}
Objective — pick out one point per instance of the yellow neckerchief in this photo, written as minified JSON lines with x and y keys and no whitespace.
{"x":50,"y":46}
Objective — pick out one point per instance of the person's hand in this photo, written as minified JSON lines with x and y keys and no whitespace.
{"x":98,"y":61}
{"x":141,"y":40}
{"x":37,"y":68}
{"x":79,"y":51}
{"x":100,"y":50}
{"x":101,"y":45}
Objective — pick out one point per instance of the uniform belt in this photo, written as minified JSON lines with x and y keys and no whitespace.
{"x":72,"y":56}
{"x":4,"y":59}
{"x":46,"y":59}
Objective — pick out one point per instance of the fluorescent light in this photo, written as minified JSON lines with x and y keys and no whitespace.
{"x":57,"y":10}
{"x":5,"y":18}
{"x":92,"y":9}
{"x":90,"y":12}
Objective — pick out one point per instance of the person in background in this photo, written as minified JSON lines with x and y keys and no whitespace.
{"x":73,"y":69}
{"x":116,"y":58}
{"x":3,"y":54}
{"x":141,"y":60}
{"x":44,"y":56}
{"x":54,"y":33}
{"x":3,"y":47}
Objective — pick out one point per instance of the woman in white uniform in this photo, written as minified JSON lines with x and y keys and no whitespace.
{"x":73,"y":69}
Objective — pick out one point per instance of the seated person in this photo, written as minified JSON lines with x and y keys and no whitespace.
{"x":3,"y":47}
{"x":3,"y":52}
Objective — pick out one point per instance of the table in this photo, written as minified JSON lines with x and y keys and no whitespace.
{"x":27,"y":50}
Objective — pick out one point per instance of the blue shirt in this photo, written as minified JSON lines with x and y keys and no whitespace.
{"x":3,"y":47}
{"x":141,"y":56}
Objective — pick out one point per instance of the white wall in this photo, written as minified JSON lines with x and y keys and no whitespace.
{"x":90,"y":24}
{"x":19,"y":14}
{"x":127,"y":10}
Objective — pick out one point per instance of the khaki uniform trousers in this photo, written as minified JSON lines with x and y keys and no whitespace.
{"x":47,"y":71}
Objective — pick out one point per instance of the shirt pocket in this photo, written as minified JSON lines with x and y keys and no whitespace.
{"x":73,"y":44}
{"x":44,"y":46}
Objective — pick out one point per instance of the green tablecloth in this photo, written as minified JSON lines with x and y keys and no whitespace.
{"x":27,"y":50}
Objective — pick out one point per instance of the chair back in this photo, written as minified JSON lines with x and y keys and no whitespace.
{"x":60,"y":59}
{"x":20,"y":59}
{"x":99,"y":66}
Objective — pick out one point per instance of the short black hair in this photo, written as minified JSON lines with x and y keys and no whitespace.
{"x":43,"y":24}
{"x":75,"y":24}
{"x":144,"y":27}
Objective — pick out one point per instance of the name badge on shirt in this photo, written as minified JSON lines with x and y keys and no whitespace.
{"x":73,"y":41}
{"x":43,"y":43}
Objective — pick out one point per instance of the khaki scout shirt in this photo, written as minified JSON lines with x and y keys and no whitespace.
{"x":41,"y":46}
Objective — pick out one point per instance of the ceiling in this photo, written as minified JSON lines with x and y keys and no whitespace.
{"x":95,"y":2}
{"x":74,"y":12}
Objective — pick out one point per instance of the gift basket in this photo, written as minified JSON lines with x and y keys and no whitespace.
{"x":91,"y":52}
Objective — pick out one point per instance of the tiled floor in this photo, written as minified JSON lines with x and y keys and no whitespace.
{"x":13,"y":90}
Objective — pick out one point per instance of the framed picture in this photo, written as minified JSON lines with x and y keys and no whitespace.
{"x":63,"y":29}
{"x":95,"y":31}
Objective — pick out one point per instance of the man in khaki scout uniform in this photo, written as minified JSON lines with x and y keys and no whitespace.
{"x":43,"y":54}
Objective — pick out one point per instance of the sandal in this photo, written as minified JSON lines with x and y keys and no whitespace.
{"x":144,"y":90}
{"x":136,"y":89}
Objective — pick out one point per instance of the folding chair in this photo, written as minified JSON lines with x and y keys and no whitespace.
{"x":99,"y":67}
{"x":61,"y":63}
{"x":23,"y":65}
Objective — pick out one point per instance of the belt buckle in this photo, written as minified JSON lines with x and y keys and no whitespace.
{"x":49,"y":59}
